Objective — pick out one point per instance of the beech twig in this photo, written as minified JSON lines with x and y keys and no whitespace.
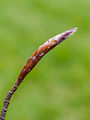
{"x":33,"y":60}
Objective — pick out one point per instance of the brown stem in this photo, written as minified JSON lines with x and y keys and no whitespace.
{"x":7,"y":100}
{"x":33,"y":60}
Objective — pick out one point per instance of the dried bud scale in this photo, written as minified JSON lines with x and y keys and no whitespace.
{"x":42,"y":50}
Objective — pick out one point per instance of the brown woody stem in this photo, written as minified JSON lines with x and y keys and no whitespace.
{"x":33,"y":60}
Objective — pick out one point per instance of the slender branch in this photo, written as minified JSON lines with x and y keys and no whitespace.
{"x":33,"y":60}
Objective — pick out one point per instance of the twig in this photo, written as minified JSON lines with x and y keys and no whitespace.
{"x":33,"y":60}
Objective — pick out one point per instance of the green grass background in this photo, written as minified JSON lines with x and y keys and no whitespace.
{"x":58,"y":88}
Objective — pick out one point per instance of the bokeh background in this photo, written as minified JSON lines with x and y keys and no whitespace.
{"x":58,"y":88}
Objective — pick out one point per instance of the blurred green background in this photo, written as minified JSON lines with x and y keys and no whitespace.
{"x":58,"y":88}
